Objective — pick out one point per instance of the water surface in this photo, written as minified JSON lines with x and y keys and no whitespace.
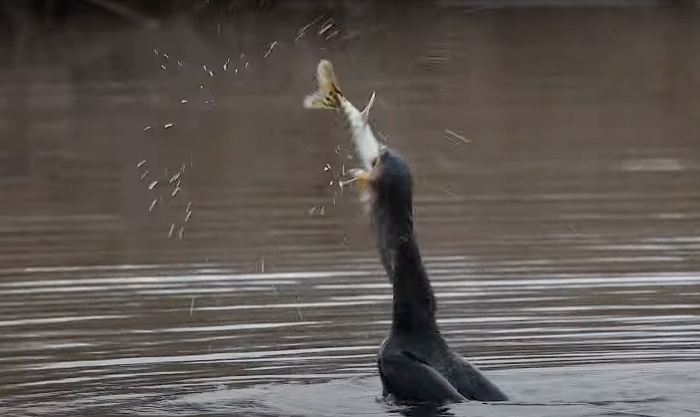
{"x":556,"y":163}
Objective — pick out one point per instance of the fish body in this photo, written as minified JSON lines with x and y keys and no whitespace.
{"x":329,"y":96}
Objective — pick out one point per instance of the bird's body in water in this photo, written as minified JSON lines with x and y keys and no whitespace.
{"x":415,"y":363}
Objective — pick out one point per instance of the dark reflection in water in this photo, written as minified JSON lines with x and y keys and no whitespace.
{"x":556,"y":161}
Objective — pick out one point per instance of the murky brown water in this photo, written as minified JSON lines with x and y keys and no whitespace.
{"x":562,"y":236}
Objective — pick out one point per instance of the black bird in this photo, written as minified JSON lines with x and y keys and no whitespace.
{"x":415,"y":363}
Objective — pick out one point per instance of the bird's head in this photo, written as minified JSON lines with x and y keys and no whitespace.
{"x":387,"y":190}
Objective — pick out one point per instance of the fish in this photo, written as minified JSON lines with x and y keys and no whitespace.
{"x":329,"y":96}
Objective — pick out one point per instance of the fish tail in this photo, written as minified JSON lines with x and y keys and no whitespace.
{"x":328,"y":95}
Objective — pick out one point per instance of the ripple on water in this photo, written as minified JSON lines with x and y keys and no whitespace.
{"x":581,"y":391}
{"x":299,"y":354}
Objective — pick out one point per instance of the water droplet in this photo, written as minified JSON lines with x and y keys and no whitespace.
{"x":272,"y":45}
{"x":456,"y":138}
{"x":325,"y":26}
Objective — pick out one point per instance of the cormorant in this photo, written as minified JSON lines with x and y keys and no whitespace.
{"x":415,"y":363}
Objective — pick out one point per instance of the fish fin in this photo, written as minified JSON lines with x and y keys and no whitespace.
{"x":365,"y":112}
{"x":328,"y":94}
{"x":315,"y":101}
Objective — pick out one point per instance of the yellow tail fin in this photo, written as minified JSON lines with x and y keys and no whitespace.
{"x":328,"y":94}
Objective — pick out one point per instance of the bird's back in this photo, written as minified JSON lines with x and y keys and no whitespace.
{"x":431,"y":351}
{"x":470,"y":381}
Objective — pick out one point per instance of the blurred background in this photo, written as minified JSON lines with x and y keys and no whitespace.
{"x":174,"y":239}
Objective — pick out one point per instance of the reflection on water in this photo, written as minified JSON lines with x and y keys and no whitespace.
{"x":174,"y":241}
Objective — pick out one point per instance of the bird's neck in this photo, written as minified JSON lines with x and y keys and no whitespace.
{"x":414,"y":302}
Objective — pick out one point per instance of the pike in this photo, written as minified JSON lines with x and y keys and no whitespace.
{"x":329,"y":96}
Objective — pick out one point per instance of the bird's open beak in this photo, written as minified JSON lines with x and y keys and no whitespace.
{"x":364,"y":177}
